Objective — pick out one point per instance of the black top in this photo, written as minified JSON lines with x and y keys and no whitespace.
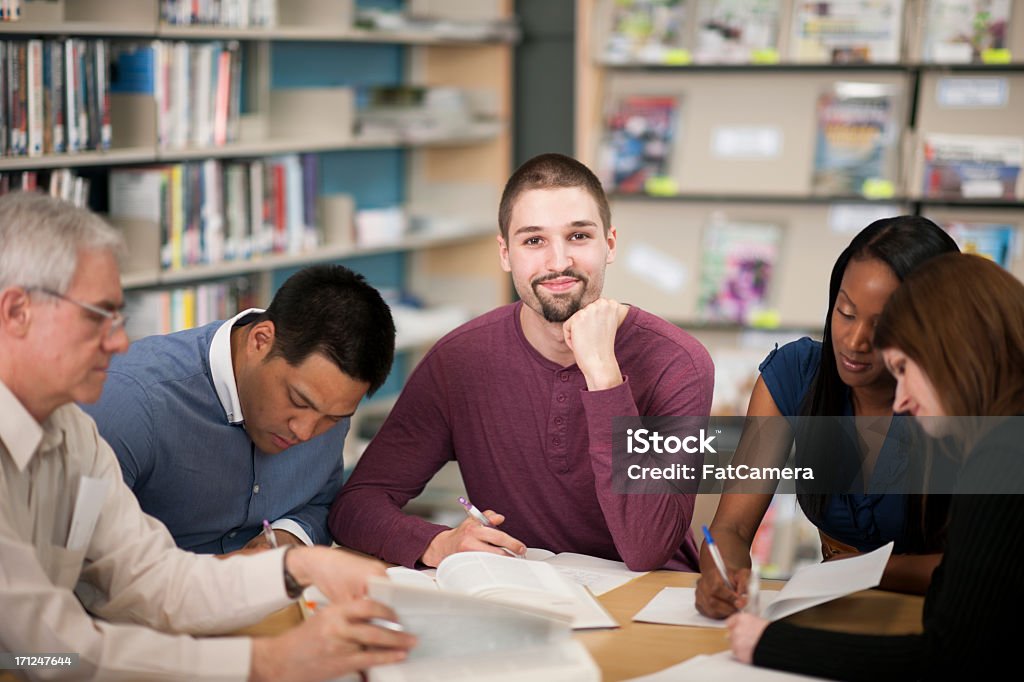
{"x":974,"y":606}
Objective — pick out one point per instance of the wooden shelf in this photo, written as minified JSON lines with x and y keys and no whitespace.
{"x":139,"y":155}
{"x":760,"y":198}
{"x":141,"y":280}
{"x":279,"y":33}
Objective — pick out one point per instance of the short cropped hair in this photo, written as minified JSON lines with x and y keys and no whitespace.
{"x":331,"y":310}
{"x":41,"y":238}
{"x":551,"y":171}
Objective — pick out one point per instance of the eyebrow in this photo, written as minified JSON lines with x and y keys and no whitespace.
{"x":312,"y":404}
{"x":576,"y":224}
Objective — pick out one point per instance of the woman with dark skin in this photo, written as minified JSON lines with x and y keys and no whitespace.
{"x":843,"y":375}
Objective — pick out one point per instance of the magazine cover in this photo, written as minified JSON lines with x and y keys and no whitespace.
{"x":847,"y":31}
{"x":855,"y":140}
{"x":737,"y":269}
{"x":733,"y":31}
{"x":637,"y":147}
{"x":972,"y":166}
{"x":645,"y":31}
{"x":960,"y":31}
{"x":994,"y":241}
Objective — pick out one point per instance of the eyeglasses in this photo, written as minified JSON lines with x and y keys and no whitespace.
{"x":115,"y":318}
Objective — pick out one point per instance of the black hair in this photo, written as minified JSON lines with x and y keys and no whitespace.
{"x":903,"y":243}
{"x":331,"y":310}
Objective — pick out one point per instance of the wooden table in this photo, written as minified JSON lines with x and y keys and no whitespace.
{"x":636,"y":649}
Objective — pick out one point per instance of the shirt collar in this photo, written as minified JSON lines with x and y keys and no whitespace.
{"x":222,"y":370}
{"x":20,"y":432}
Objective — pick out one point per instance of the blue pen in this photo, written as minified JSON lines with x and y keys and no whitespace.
{"x":717,"y":556}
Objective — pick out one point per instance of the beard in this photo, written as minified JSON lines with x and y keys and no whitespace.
{"x":559,"y":307}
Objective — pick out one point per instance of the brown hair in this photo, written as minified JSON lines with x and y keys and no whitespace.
{"x":961,"y":318}
{"x":550,"y":171}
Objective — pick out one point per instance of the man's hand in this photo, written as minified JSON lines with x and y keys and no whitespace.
{"x":284,"y":538}
{"x":471,"y":536}
{"x":337,"y":641}
{"x":590,"y":335}
{"x":745,"y":632}
{"x":340,"y":575}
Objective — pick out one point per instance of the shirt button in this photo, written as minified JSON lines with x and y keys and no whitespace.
{"x":561,"y":397}
{"x":231,"y":535}
{"x":559,"y":421}
{"x":564,"y":376}
{"x":556,"y":441}
{"x":256,"y":488}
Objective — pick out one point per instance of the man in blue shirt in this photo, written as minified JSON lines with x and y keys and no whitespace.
{"x":200,"y":419}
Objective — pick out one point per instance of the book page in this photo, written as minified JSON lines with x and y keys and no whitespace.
{"x":567,"y":661}
{"x":600,"y":576}
{"x":447,"y":624}
{"x":518,"y":581}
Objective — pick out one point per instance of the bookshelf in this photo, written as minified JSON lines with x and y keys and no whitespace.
{"x":662,"y":229}
{"x":299,"y":83}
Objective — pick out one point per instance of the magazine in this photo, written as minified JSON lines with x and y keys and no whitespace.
{"x":638,"y":141}
{"x":855,"y":143}
{"x":647,"y":32}
{"x":994,"y":241}
{"x":972,"y":166}
{"x":847,"y":31}
{"x":960,"y":31}
{"x":736,"y":31}
{"x":738,"y":266}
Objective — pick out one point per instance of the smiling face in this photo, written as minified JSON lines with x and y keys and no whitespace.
{"x":285,"y":405}
{"x":557,"y":251}
{"x":75,"y":345}
{"x":915,"y":393}
{"x":866,"y":287}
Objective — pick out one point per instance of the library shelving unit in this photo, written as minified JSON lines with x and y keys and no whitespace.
{"x":661,"y":237}
{"x":298,"y":80}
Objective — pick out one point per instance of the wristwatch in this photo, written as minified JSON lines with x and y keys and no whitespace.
{"x":291,"y":586}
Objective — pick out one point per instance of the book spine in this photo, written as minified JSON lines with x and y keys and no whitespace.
{"x":34,"y":73}
{"x":70,"y":86}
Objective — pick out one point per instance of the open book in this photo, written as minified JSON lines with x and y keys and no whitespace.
{"x":461,"y":637}
{"x":534,"y":584}
{"x":809,"y":586}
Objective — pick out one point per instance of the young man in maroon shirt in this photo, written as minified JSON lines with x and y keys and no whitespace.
{"x":523,"y":398}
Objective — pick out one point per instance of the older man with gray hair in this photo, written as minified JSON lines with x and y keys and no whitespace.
{"x":70,"y":527}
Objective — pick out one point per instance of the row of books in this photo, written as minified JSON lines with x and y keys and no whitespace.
{"x":196,"y":87}
{"x":821,"y":32}
{"x":856,"y":149}
{"x":213,"y":211}
{"x":740,"y":258}
{"x":170,"y":310}
{"x":234,"y":13}
{"x":56,"y":96}
{"x":62,"y":183}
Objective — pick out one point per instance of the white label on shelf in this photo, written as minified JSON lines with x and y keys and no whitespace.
{"x":653,"y":266}
{"x":972,"y":93}
{"x":851,"y":218}
{"x":746,"y":142}
{"x":981,"y":189}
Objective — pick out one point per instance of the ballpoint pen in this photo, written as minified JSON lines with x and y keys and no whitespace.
{"x":717,"y":556}
{"x":479,"y":517}
{"x":268,"y":534}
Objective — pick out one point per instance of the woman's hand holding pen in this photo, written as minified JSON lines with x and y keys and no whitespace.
{"x":714,"y":598}
{"x":472,"y":536}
